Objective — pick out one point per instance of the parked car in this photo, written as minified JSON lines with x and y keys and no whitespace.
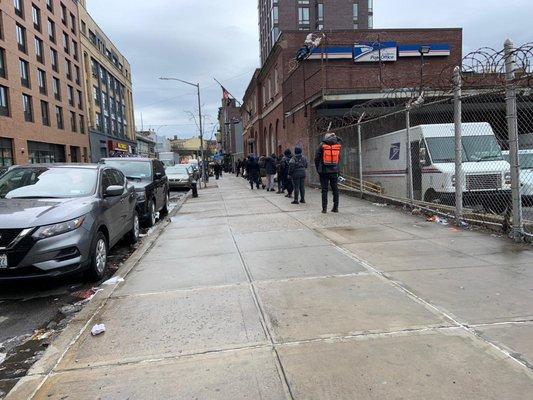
{"x":61,"y":219}
{"x":151,"y":184}
{"x":179,"y":176}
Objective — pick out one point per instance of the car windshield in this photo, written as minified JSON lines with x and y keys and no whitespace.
{"x":475,"y":149}
{"x":132,"y":169}
{"x":48,"y":183}
{"x":178,"y":169}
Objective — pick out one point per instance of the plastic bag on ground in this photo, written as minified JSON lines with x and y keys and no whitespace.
{"x":98,"y":329}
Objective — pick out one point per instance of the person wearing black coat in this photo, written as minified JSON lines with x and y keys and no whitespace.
{"x":270,"y":169}
{"x":284,"y":169}
{"x":297,"y":167}
{"x":328,"y":172}
{"x":254,"y":175}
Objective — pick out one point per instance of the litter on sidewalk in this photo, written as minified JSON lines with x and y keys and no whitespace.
{"x":438,"y":220}
{"x":113,"y":281}
{"x":98,"y":329}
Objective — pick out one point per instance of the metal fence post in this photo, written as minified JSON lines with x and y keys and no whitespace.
{"x":360,"y":156}
{"x":457,"y":113}
{"x":409,"y":158}
{"x":512,"y":126}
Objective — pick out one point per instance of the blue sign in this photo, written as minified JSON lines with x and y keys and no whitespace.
{"x":395,"y":151}
{"x":375,"y":52}
{"x":435,"y":50}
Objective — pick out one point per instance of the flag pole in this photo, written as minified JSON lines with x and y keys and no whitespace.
{"x":223,"y":88}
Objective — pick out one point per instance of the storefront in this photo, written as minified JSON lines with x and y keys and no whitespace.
{"x":118,"y":149}
{"x":6,"y":152}
{"x":40,"y":152}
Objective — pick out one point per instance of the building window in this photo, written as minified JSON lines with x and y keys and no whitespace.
{"x":24,"y":73}
{"x":53,"y":60}
{"x":64,"y":14}
{"x":80,"y":100}
{"x":45,"y":113}
{"x":59,"y":117}
{"x":27,"y":108}
{"x":82,"y":124}
{"x":68,"y":69}
{"x":3,"y":69}
{"x":98,"y":121}
{"x":41,"y":78}
{"x":19,"y":7}
{"x":66,"y":46}
{"x":275,"y":14}
{"x":303,"y":15}
{"x":6,"y":152}
{"x":84,"y":27}
{"x":77,"y":70}
{"x":39,"y":50}
{"x":50,"y":5}
{"x":75,"y":50}
{"x":73,"y":23}
{"x":96,"y":95}
{"x":36,"y":17}
{"x":51,"y":31}
{"x":320,"y":12}
{"x":70,"y":95}
{"x":4,"y":101}
{"x":21,"y":38}
{"x":39,"y":153}
{"x":73,"y":125}
{"x":57,"y":89}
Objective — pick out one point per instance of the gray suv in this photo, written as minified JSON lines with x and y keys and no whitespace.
{"x":62,"y":219}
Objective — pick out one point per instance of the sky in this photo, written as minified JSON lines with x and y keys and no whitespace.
{"x":198,"y":40}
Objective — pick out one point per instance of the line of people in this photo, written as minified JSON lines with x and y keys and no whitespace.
{"x":291,"y":172}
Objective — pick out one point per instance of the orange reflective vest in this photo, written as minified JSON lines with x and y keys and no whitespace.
{"x":331,"y":154}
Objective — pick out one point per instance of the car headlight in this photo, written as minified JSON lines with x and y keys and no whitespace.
{"x":58,"y":229}
{"x":507,"y":178}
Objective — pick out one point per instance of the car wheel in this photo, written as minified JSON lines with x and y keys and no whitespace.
{"x":152,"y":214}
{"x":134,"y":233}
{"x":98,"y":263}
{"x":164,"y":210}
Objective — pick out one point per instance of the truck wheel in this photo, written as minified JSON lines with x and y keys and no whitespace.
{"x":152,"y":213}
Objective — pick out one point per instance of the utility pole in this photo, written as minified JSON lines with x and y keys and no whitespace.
{"x":202,"y":153}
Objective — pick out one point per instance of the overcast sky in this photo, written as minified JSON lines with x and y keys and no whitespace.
{"x":197,"y":40}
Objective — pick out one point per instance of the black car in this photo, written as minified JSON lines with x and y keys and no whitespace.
{"x":151,"y":184}
{"x":59,"y":219}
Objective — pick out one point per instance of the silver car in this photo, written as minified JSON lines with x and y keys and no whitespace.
{"x":179,"y":176}
{"x":63,"y":219}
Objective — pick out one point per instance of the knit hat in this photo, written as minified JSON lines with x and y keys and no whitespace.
{"x":297,"y":150}
{"x":288,"y":152}
{"x":330,"y":135}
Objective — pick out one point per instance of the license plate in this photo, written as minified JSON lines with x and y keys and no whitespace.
{"x":3,"y":261}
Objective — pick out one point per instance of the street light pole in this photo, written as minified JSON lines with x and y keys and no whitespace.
{"x":197,"y":86}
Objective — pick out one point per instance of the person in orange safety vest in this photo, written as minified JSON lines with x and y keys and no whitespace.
{"x":327,"y":162}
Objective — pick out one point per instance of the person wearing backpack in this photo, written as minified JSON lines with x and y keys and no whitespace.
{"x":297,"y":167}
{"x":327,"y":162}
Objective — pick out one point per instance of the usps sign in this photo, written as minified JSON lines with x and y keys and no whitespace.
{"x":395,"y":151}
{"x":375,"y":52}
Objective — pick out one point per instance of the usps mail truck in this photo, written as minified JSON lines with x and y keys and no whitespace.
{"x":486,"y":174}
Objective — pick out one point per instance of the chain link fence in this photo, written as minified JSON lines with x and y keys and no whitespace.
{"x":465,"y":155}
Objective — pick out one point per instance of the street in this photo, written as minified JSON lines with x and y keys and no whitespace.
{"x":33,"y":313}
{"x":246,"y":296}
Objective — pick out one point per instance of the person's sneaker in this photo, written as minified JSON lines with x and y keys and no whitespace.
{"x":324,"y":211}
{"x":335,"y":210}
{"x":295,"y":202}
{"x":302,"y":201}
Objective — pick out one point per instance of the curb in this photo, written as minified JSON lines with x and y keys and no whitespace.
{"x":27,"y":386}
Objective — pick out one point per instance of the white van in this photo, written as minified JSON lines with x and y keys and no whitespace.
{"x":526,"y":174}
{"x":487,"y":178}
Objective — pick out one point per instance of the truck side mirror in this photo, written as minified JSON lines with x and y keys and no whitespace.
{"x":422,"y":156}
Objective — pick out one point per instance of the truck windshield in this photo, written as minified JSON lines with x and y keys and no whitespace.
{"x":475,"y":149}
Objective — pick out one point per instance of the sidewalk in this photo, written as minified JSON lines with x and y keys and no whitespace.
{"x":246,"y":296}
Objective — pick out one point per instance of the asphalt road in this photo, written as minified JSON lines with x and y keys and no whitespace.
{"x":32,"y":313}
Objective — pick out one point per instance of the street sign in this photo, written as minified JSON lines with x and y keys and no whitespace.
{"x":375,"y":52}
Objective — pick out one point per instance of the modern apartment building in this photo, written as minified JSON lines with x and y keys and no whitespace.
{"x":276,"y":16}
{"x":42,"y":117}
{"x":108,"y":88}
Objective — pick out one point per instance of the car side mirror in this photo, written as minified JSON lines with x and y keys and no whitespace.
{"x":422,"y":156}
{"x":114,"y":191}
{"x":158,"y":175}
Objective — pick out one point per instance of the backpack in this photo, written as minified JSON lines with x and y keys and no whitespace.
{"x":331,"y":154}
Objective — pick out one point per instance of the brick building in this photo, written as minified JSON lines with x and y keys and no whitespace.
{"x":108,"y":88}
{"x":352,"y":67}
{"x":230,"y":133}
{"x":276,"y":16}
{"x":42,"y":117}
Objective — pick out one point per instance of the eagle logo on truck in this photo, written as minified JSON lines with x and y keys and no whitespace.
{"x":395,"y":151}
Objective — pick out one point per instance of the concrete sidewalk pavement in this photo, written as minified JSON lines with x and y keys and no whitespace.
{"x":246,"y":296}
